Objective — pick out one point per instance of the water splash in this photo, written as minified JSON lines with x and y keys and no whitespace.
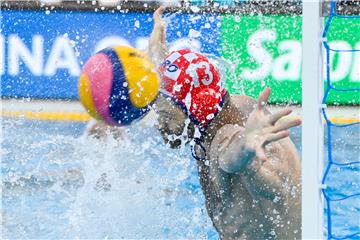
{"x":71,"y":187}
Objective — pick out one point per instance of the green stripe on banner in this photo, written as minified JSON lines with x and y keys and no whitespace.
{"x":266,"y":51}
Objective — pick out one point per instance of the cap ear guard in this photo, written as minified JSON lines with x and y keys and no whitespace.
{"x":206,"y":104}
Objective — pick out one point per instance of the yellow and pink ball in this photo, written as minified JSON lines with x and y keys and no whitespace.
{"x":117,"y":85}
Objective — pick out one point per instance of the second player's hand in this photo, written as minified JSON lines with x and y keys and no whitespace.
{"x":157,"y":43}
{"x":262,"y":128}
{"x":159,"y":24}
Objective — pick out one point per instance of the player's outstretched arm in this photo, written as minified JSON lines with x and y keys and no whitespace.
{"x":245,"y":151}
{"x":157,"y":44}
{"x":246,"y":147}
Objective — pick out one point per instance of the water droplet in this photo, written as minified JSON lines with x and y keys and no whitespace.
{"x":137,"y":24}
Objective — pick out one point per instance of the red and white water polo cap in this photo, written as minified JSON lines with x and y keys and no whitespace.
{"x":193,"y":82}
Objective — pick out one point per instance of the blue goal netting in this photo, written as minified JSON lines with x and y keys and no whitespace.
{"x":335,"y":197}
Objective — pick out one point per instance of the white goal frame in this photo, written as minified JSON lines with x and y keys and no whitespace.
{"x":312,"y":123}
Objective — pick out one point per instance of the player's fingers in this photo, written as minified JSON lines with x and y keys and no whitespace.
{"x":286,"y":125}
{"x":263,"y":97}
{"x":279,"y":114}
{"x":158,"y":13}
{"x":276,"y":136}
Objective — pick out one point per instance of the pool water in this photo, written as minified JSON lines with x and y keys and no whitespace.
{"x":57,"y":184}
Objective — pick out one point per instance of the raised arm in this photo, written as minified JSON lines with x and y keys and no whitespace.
{"x":157,"y":44}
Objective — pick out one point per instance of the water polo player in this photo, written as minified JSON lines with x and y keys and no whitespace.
{"x":249,"y":168}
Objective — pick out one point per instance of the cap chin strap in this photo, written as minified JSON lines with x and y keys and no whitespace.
{"x":198,"y":142}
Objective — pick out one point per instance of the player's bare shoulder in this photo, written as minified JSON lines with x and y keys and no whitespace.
{"x":222,"y":139}
{"x":244,"y":103}
{"x":223,"y":135}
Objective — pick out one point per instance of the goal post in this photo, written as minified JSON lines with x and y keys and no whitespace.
{"x":312,"y":123}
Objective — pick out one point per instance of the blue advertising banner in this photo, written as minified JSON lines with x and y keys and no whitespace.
{"x":42,"y":52}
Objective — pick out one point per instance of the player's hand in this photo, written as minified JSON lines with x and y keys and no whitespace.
{"x":157,"y":43}
{"x":158,"y":21}
{"x":159,"y":31}
{"x":263,"y":128}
